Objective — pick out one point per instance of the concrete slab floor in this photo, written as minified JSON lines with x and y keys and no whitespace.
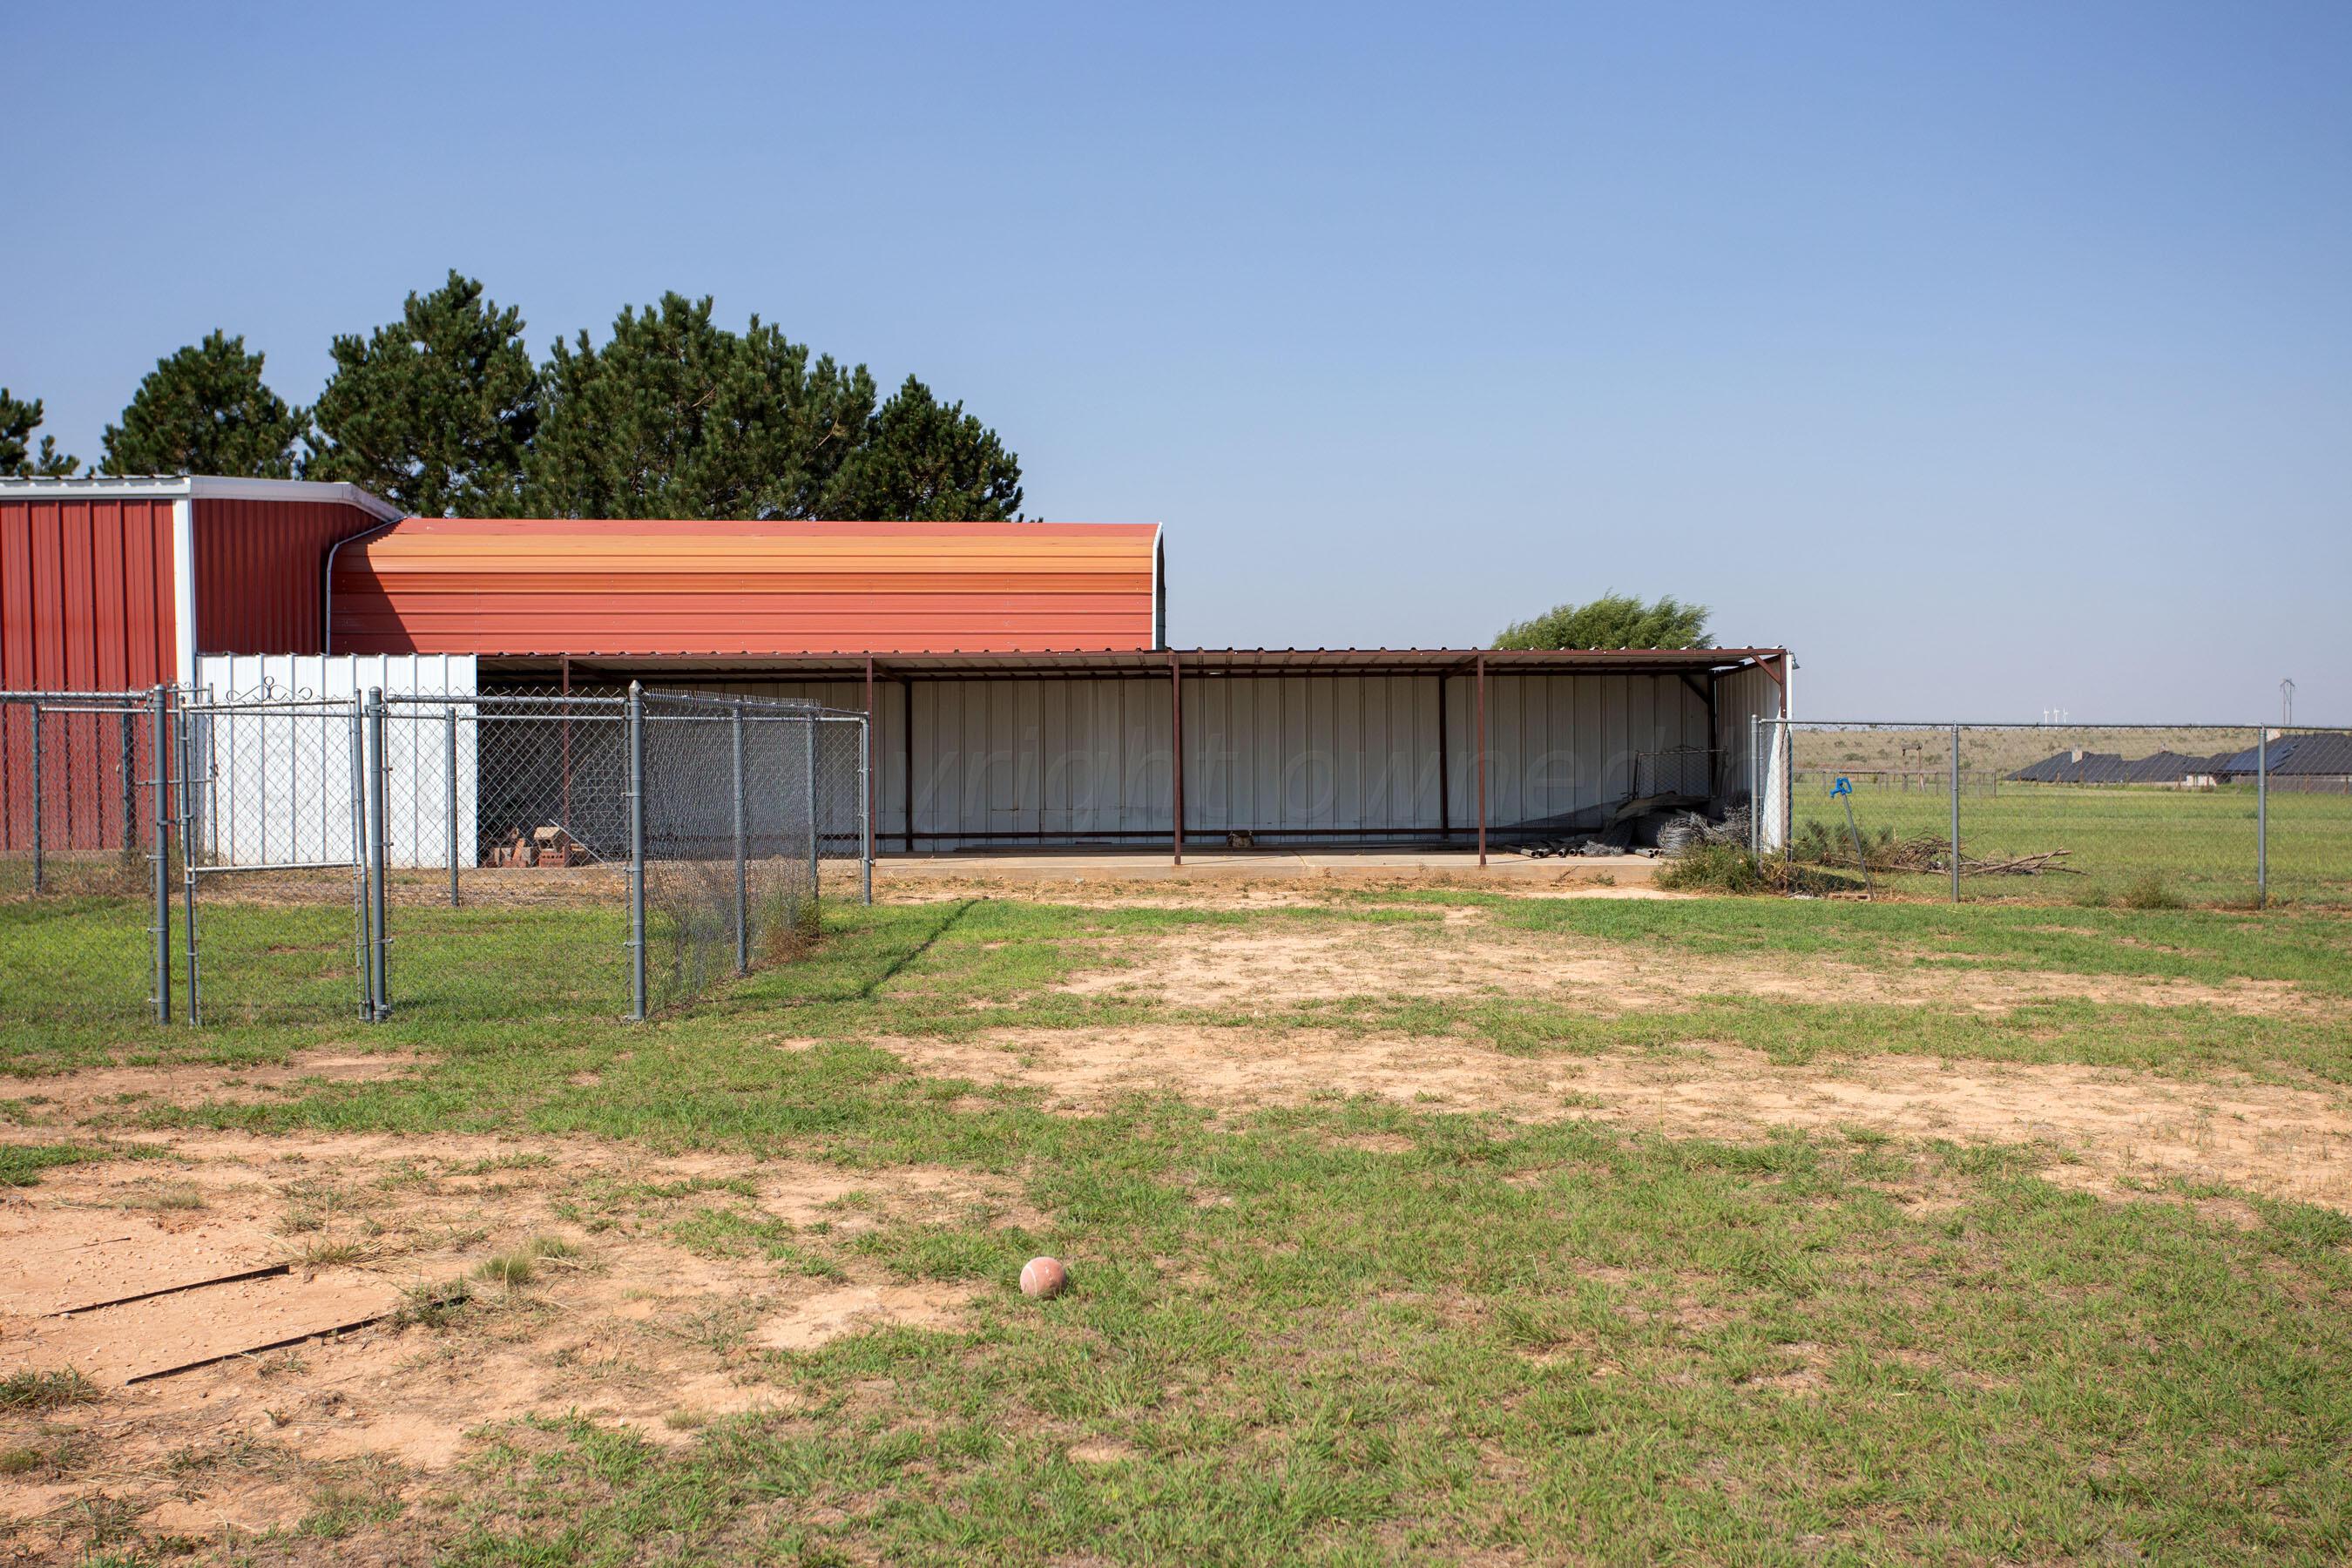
{"x":1252,"y":864}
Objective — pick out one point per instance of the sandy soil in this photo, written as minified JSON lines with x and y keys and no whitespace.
{"x":632,"y":1327}
{"x":2109,"y":1129}
{"x":1250,"y":966}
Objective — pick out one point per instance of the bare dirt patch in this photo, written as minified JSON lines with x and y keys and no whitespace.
{"x":1245,"y":967}
{"x":639,"y":1311}
{"x":2104,"y":1128}
{"x":112,"y":1090}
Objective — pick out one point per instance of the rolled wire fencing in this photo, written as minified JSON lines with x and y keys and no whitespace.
{"x":620,"y":844}
{"x":2145,"y":815}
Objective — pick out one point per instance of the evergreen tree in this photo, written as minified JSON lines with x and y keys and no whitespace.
{"x":922,"y":461}
{"x":1613,"y":620}
{"x":206,"y":411}
{"x":435,"y":412}
{"x":18,"y":420}
{"x":677,"y":416}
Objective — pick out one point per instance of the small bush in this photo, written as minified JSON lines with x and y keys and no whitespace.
{"x":2149,"y":890}
{"x":1715,"y":869}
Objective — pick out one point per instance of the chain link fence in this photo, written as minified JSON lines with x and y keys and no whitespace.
{"x":2149,"y":815}
{"x":631,"y":848}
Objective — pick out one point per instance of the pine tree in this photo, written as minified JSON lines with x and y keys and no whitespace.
{"x":923,"y":460}
{"x":18,"y":420}
{"x":205,"y":410}
{"x":436,"y":412}
{"x":677,"y":416}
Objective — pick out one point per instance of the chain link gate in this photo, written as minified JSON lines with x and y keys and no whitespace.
{"x":272,"y":798}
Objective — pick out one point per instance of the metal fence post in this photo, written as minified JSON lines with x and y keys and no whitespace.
{"x":356,"y":749}
{"x":2263,"y":817}
{"x":743,"y":889}
{"x":816,"y":820}
{"x":865,"y":799}
{"x":1755,"y":784}
{"x":451,"y":763}
{"x":379,"y":980}
{"x":38,"y":822}
{"x":1956,"y":814}
{"x":129,"y":785}
{"x":163,"y":784}
{"x":637,"y":851}
{"x":185,"y":727}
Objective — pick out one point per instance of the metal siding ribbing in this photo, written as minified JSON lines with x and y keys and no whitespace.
{"x":442,"y":584}
{"x":80,"y":609}
{"x":259,"y":573}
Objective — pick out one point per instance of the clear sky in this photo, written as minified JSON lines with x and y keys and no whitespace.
{"x":1995,"y":357}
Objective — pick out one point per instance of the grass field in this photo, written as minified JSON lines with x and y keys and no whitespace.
{"x":1407,"y":1225}
{"x":2195,"y":847}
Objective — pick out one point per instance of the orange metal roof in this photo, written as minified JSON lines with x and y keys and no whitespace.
{"x":570,"y":586}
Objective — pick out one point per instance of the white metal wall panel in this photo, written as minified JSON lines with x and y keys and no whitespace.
{"x":1013,"y":761}
{"x":280,"y":789}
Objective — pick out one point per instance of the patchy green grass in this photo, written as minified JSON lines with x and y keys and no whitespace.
{"x":36,"y":1391}
{"x":1358,"y":1333}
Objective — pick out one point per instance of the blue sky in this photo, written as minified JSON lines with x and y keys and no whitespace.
{"x":1994,"y":357}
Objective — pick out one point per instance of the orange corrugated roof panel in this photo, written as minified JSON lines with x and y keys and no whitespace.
{"x":610,"y":587}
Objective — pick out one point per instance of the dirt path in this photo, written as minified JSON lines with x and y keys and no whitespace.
{"x":1271,"y":964}
{"x":642,"y":1309}
{"x":2108,"y":1128}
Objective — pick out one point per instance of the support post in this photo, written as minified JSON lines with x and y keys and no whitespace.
{"x":2263,"y":819}
{"x":378,"y":980}
{"x":129,"y":785}
{"x":743,"y":887}
{"x":450,"y":760}
{"x":906,"y":757}
{"x":355,"y":748}
{"x":1482,"y":759}
{"x":636,"y":711}
{"x":160,"y":756}
{"x":815,"y":823}
{"x":1956,"y":814}
{"x":186,"y":740}
{"x":39,"y":821}
{"x":1445,"y":771}
{"x":1756,"y":785}
{"x":866,"y":804}
{"x":1176,"y":757}
{"x":864,"y":795}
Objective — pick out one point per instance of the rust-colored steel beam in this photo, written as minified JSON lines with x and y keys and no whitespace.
{"x":1176,"y":747}
{"x":1482,"y":759}
{"x":1444,"y":767}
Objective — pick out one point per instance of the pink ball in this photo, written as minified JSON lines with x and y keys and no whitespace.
{"x":1043,"y":1277}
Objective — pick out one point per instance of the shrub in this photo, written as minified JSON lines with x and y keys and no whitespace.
{"x":1715,"y":869}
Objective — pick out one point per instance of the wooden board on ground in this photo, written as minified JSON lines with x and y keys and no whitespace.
{"x":67,"y":1260}
{"x":160,"y":1334}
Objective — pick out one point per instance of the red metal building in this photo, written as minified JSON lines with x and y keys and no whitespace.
{"x":661,"y":589}
{"x":116,"y":584}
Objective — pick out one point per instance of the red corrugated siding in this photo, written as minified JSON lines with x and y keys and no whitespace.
{"x":84,"y":605}
{"x":466,"y":585}
{"x":258,"y":572}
